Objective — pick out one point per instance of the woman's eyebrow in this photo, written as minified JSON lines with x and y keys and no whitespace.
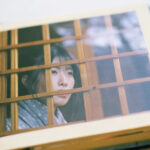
{"x":68,"y":67}
{"x":55,"y":67}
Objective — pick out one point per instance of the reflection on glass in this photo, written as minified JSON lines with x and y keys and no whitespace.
{"x":138,"y":97}
{"x":93,"y":26}
{"x":69,"y":46}
{"x":106,"y":71}
{"x":121,"y":34}
{"x":63,"y":29}
{"x":98,"y":36}
{"x":99,"y":46}
{"x":126,"y":20}
{"x":5,"y":108}
{"x":130,"y":41}
{"x":135,"y":67}
{"x":111,"y":102}
{"x":131,"y":37}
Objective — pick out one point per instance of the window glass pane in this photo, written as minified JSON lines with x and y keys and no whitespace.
{"x":127,"y":33}
{"x":64,"y":29}
{"x":138,"y":97}
{"x":106,"y":71}
{"x":126,"y":20}
{"x":30,"y":34}
{"x":31,"y":56}
{"x":9,"y":38}
{"x":8,"y":59}
{"x":93,"y":26}
{"x":96,"y":31}
{"x":99,"y":46}
{"x":8,"y":118}
{"x":130,"y":41}
{"x":111,"y":102}
{"x":135,"y":67}
{"x":8,"y":85}
{"x":67,"y":50}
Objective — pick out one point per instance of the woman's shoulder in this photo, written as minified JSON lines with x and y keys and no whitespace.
{"x":32,"y":113}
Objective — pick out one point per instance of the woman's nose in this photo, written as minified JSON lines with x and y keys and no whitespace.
{"x":63,"y":80}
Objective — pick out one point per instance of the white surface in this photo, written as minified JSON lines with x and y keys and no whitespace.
{"x":61,"y":133}
{"x":12,"y":11}
{"x":24,"y":13}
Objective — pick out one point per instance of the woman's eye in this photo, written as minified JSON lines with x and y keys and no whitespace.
{"x":70,"y":73}
{"x":54,"y":72}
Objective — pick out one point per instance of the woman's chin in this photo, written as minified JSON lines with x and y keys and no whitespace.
{"x":60,"y":101}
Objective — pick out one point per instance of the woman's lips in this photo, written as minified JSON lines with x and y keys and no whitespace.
{"x":63,"y":95}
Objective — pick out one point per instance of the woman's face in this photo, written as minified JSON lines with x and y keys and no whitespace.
{"x":62,"y":79}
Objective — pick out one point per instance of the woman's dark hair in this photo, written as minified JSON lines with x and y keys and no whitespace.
{"x":74,"y":109}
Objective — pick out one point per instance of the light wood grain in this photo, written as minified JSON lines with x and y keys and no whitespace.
{"x":47,"y":61}
{"x":14,"y":81}
{"x":41,"y":42}
{"x":83,"y":71}
{"x":3,"y":81}
{"x":117,"y":67}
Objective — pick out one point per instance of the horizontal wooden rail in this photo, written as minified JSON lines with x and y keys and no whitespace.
{"x":31,"y":68}
{"x":125,"y":30}
{"x":76,"y":90}
{"x":41,"y":42}
{"x":96,"y":58}
{"x":113,"y":32}
{"x":44,"y":94}
{"x":123,"y":83}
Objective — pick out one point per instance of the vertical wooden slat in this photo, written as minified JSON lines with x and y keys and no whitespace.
{"x":47,"y":61}
{"x":118,"y":72}
{"x":14,"y":80}
{"x":93,"y":79}
{"x":3,"y":81}
{"x":96,"y":102}
{"x":83,"y":72}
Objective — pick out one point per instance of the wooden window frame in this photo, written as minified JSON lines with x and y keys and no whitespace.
{"x":135,"y":127}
